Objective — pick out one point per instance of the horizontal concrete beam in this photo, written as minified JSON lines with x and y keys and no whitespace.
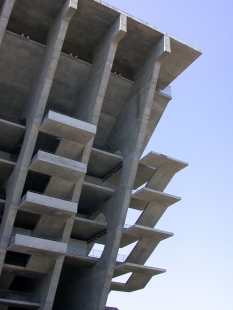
{"x":57,"y":166}
{"x":142,"y":197}
{"x":67,"y":127}
{"x":135,"y":268}
{"x":42,"y":204}
{"x":136,"y":232}
{"x":157,"y":160}
{"x":37,"y":246}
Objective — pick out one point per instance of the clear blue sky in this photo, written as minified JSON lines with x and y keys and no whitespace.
{"x":197,"y":127}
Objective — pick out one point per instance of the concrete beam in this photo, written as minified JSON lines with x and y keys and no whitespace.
{"x":35,"y":245}
{"x":42,"y":204}
{"x":144,"y":196}
{"x":57,"y":166}
{"x":5,"y":13}
{"x":67,"y":127}
{"x":136,"y":232}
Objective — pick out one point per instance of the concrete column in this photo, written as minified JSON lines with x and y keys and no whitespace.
{"x":90,"y":289}
{"x":47,"y":286}
{"x":91,"y":97}
{"x":33,"y":112}
{"x":5,"y":13}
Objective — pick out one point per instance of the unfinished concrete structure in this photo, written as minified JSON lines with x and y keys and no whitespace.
{"x":83,"y":87}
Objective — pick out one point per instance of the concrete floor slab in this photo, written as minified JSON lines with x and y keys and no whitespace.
{"x":142,"y":197}
{"x":37,"y":246}
{"x":67,"y":127}
{"x":45,"y":205}
{"x":136,"y":232}
{"x":58,"y":166}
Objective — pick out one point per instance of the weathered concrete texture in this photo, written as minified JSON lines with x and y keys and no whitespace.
{"x":5,"y":13}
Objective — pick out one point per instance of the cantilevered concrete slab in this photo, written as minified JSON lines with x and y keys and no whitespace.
{"x":144,"y":174}
{"x":142,"y":197}
{"x":136,"y":281}
{"x":67,"y":127}
{"x":10,"y":133}
{"x":85,"y":229}
{"x":102,"y":163}
{"x":45,"y":205}
{"x":121,"y":269}
{"x":37,"y":246}
{"x":57,"y":166}
{"x":136,"y":232}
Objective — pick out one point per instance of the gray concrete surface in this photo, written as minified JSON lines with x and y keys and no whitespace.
{"x":110,"y":93}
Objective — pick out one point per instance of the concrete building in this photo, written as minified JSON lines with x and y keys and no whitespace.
{"x":82,"y":89}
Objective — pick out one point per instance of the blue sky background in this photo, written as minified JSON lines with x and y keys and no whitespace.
{"x":196,"y":127}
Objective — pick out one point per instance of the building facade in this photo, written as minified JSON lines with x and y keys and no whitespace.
{"x":83,"y":87}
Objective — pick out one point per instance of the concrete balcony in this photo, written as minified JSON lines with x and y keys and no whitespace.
{"x":57,"y":166}
{"x":136,"y":232}
{"x":46,"y":205}
{"x":10,"y":133}
{"x":144,"y":196}
{"x":32,"y":245}
{"x":7,"y":164}
{"x":19,"y":299}
{"x":68,"y":128}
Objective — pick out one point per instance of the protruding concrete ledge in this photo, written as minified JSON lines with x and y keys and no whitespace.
{"x":41,"y":204}
{"x":58,"y":166}
{"x":138,"y":280}
{"x":137,"y":232}
{"x":140,"y":269}
{"x":84,"y":229}
{"x":142,"y":197}
{"x":157,"y":160}
{"x":152,"y":161}
{"x":37,"y":246}
{"x":101,"y":163}
{"x":66,"y":127}
{"x":10,"y":133}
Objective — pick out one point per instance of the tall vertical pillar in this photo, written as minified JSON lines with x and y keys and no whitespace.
{"x":5,"y":13}
{"x":33,"y":112}
{"x":91,"y":97}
